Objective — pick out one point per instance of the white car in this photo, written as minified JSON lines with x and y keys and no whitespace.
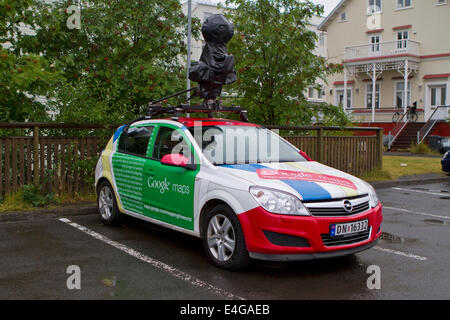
{"x":248,"y":193}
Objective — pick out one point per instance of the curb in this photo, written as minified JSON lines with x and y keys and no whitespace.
{"x":390,"y":184}
{"x":69,"y":210}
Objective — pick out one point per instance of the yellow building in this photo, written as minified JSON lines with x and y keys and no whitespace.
{"x":387,"y":46}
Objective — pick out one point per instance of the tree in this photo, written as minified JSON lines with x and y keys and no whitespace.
{"x":23,"y":75}
{"x":125,"y":54}
{"x":275,"y":61}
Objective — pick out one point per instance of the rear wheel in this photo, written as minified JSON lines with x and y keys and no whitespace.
{"x":413,"y":117}
{"x":107,"y":204}
{"x":396,"y":117}
{"x":223,"y":239}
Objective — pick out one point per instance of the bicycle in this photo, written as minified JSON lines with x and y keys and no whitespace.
{"x":412,"y":115}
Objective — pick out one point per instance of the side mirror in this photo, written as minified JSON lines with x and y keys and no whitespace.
{"x":177,"y":160}
{"x":304,"y":155}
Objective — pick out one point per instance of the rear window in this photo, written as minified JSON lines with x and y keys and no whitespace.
{"x":135,"y":141}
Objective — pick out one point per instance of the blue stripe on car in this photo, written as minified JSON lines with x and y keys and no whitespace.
{"x":308,"y":190}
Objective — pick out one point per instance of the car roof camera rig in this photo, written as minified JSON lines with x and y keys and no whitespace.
{"x":214,"y":70}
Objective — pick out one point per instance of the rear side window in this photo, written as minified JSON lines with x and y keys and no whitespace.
{"x":135,"y":141}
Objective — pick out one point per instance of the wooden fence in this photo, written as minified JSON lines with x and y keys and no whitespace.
{"x":65,"y":164}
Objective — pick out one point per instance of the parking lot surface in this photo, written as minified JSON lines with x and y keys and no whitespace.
{"x":139,"y":260}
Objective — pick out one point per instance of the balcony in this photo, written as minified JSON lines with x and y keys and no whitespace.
{"x":383,"y":51}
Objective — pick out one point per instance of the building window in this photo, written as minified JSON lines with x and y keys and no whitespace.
{"x":340,"y":97}
{"x":403,"y":4}
{"x":369,"y":91}
{"x":320,"y":93}
{"x":343,"y":17}
{"x":438,"y":95}
{"x":374,"y":6}
{"x":400,"y":92}
{"x":402,"y":39}
{"x":375,"y":41}
{"x":322,"y":39}
{"x":311,"y":93}
{"x":441,"y":2}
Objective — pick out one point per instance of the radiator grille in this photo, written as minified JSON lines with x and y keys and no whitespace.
{"x":346,"y":239}
{"x":339,"y":211}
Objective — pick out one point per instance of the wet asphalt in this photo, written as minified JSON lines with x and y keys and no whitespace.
{"x":413,"y":256}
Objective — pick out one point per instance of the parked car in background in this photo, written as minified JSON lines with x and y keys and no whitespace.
{"x":446,"y":163}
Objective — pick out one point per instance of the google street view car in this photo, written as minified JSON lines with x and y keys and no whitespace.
{"x":244,"y":190}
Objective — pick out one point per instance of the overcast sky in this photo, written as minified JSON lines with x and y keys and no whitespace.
{"x":329,"y":5}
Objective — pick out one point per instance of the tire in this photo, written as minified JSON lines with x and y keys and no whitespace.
{"x":396,"y":117}
{"x":107,"y":204}
{"x":223,"y":239}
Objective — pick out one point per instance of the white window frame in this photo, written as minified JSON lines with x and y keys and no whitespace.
{"x":370,"y":7}
{"x":371,"y":45}
{"x":409,"y":94}
{"x":403,"y":8}
{"x":403,"y":43}
{"x":321,"y":93}
{"x":369,"y":85}
{"x":310,"y":93}
{"x":336,"y":96}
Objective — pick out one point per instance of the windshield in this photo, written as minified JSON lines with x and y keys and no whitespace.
{"x":229,"y":145}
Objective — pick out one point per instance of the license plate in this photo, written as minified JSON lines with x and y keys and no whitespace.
{"x":340,"y":229}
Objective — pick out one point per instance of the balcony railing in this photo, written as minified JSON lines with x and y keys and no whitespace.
{"x":388,"y":49}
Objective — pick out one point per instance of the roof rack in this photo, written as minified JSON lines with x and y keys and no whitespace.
{"x":208,"y":106}
{"x":184,"y":108}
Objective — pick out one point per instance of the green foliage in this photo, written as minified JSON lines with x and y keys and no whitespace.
{"x":126,"y":54}
{"x":421,"y":148}
{"x":35,"y":196}
{"x":275,"y":62}
{"x":23,"y":75}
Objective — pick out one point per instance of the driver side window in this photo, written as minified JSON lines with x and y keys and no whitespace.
{"x":170,"y":141}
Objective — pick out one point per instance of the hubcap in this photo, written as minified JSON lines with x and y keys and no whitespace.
{"x":105,"y":202}
{"x":221,"y":237}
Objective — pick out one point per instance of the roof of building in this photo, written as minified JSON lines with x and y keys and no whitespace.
{"x":326,"y":22}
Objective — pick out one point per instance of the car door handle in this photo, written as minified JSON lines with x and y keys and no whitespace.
{"x":150,"y":172}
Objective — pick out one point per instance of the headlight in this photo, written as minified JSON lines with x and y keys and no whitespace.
{"x":373,"y":199}
{"x":278,"y":202}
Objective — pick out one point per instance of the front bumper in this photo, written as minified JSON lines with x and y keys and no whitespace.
{"x":257,"y":222}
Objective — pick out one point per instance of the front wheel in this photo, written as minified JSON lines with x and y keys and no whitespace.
{"x":107,"y":204}
{"x":223,"y":239}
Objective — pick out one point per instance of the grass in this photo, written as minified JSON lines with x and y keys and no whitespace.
{"x":15,"y":202}
{"x":396,"y":167}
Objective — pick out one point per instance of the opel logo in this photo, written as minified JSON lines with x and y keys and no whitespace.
{"x":348,"y":206}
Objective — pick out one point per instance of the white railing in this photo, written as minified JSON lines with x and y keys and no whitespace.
{"x":440,"y":113}
{"x":382,"y":49}
{"x":398,"y":129}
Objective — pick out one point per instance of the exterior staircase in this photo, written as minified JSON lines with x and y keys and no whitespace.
{"x":407,"y":137}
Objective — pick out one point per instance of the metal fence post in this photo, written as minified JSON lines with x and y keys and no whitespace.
{"x":320,"y":144}
{"x":380,"y":148}
{"x":36,"y":155}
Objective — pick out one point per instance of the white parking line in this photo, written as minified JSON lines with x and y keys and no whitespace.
{"x":418,"y":213}
{"x":404,"y":254}
{"x":154,"y":263}
{"x":421,"y":191}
